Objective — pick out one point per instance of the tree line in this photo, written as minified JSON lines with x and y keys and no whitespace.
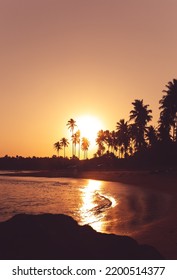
{"x":82,"y":143}
{"x":132,"y":135}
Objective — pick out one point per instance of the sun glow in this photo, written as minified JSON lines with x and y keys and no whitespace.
{"x":89,"y":127}
{"x":88,"y":208}
{"x":95,"y":204}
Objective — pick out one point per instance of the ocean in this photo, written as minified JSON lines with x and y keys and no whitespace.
{"x":109,"y":207}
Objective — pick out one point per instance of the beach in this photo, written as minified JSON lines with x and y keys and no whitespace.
{"x":162,"y":233}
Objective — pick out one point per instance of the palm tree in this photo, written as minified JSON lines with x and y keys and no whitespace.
{"x":123,"y":136}
{"x":107,"y":138}
{"x":110,"y":140}
{"x":164,"y":128}
{"x":71,"y":125}
{"x":133,"y":132}
{"x":100,"y":141}
{"x":84,"y":146}
{"x":75,"y":141}
{"x":79,"y":142}
{"x":151,"y":135}
{"x":57,"y":147}
{"x":64,"y":143}
{"x":114,"y":141}
{"x":141,"y":116}
{"x":168,"y":115}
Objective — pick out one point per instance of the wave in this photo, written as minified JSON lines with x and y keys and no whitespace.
{"x":101,"y":204}
{"x":104,"y":203}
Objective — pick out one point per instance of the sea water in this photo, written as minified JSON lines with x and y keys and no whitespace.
{"x":107,"y":206}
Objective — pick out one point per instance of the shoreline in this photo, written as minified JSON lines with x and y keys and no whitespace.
{"x":160,"y":234}
{"x":143,"y":178}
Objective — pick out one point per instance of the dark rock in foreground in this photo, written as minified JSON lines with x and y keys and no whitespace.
{"x":51,"y":236}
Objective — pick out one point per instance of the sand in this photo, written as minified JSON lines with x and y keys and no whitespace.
{"x":161,"y":234}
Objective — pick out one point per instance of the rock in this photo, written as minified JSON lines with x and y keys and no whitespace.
{"x":49,"y":236}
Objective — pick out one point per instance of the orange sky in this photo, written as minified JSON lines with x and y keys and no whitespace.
{"x":63,"y":58}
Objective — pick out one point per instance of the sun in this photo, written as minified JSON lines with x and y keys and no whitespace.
{"x":89,"y":127}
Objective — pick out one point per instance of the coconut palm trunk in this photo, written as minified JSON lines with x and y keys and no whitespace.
{"x":71,"y":125}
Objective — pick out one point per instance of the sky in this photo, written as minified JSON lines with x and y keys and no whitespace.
{"x":63,"y":59}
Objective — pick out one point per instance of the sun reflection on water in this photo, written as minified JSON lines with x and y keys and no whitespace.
{"x":94,"y":205}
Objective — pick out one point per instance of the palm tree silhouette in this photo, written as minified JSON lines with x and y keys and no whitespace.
{"x":78,"y":141}
{"x":168,"y":115}
{"x":64,"y":143}
{"x":133,"y":131}
{"x":85,"y":146}
{"x":114,"y":141}
{"x":141,"y":116}
{"x":164,"y":128}
{"x":100,"y":142}
{"x":151,"y":135}
{"x":71,"y":125}
{"x":57,"y":147}
{"x":123,"y":136}
{"x":107,"y":139}
{"x":75,"y":141}
{"x":101,"y":149}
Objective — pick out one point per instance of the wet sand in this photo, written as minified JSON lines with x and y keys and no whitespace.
{"x":162,"y":234}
